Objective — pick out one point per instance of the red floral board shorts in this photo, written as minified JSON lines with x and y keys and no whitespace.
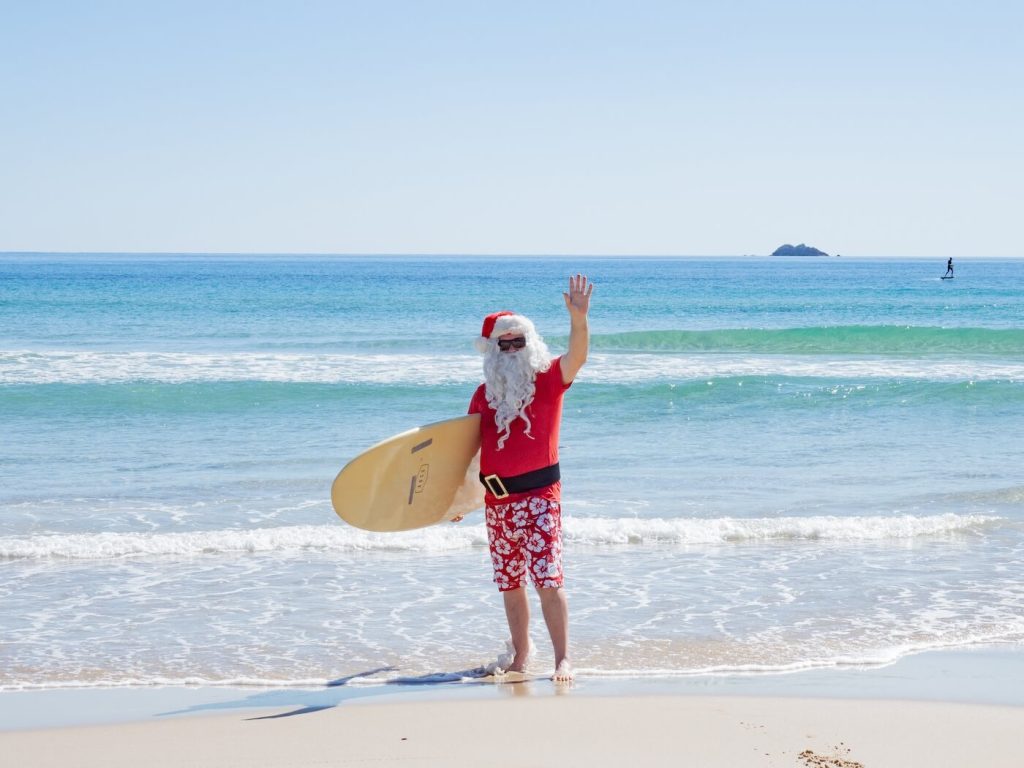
{"x":525,"y":536}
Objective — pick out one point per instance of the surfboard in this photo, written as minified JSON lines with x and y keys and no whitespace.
{"x":948,"y":277}
{"x":422,"y":477}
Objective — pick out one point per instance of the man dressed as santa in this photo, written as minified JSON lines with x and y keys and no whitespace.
{"x":520,"y":407}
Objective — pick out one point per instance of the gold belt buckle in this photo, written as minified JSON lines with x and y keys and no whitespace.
{"x":492,"y":482}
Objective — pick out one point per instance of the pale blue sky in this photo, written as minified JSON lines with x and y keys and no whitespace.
{"x":693,"y":128}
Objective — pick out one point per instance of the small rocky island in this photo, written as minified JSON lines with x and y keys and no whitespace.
{"x":797,"y":250}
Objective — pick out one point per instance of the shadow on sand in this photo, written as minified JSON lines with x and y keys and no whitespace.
{"x":336,"y":692}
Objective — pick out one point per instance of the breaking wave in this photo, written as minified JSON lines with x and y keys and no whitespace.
{"x":833,"y":340}
{"x":89,"y":367}
{"x":594,"y":532}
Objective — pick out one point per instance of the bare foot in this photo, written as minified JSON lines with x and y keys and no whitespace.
{"x":563,"y":672}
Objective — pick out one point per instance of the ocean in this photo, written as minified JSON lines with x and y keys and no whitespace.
{"x":769,"y":464}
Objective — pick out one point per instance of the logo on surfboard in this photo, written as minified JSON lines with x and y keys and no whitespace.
{"x":421,"y":477}
{"x":419,"y":480}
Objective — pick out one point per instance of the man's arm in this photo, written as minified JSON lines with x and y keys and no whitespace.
{"x":577,"y":301}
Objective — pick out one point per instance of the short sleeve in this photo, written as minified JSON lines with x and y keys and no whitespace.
{"x":477,"y":403}
{"x":555,"y":371}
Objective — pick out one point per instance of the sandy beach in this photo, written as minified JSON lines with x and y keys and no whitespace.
{"x":951,"y":708}
{"x":564,"y":730}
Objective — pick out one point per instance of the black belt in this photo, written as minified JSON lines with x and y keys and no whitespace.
{"x":501,"y":487}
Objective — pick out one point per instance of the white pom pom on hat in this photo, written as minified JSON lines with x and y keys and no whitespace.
{"x":498,"y":324}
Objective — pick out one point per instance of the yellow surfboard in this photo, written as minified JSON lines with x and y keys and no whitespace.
{"x":421,"y":477}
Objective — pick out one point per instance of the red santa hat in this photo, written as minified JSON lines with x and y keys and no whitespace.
{"x":498,"y":324}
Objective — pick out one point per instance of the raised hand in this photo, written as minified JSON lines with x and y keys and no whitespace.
{"x":577,"y":300}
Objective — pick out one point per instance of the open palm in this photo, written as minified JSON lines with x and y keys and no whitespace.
{"x":577,"y":300}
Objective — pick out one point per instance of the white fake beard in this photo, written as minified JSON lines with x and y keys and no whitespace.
{"x":511,"y":384}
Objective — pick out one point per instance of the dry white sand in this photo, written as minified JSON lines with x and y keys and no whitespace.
{"x":569,"y":730}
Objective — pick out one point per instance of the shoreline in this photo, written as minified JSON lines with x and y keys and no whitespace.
{"x":982,"y":676}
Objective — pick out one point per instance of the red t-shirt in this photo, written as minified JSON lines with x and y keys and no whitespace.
{"x":522,"y":453}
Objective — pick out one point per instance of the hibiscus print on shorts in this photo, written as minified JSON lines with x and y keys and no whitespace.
{"x":525,"y":536}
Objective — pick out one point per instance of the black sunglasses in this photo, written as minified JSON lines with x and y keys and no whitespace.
{"x":517,"y":343}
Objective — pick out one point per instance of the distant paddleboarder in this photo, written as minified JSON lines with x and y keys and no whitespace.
{"x":949,"y":267}
{"x":520,"y":407}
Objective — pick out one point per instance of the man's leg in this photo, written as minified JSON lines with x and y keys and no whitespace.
{"x":556,"y":615}
{"x":517,"y":611}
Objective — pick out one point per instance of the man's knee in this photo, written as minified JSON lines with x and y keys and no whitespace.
{"x":550,"y":593}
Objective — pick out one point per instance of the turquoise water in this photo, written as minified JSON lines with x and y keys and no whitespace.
{"x":770,"y":464}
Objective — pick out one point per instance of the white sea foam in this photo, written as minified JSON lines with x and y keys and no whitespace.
{"x":599,"y":531}
{"x":160,"y":681}
{"x":865,"y":658}
{"x":296,"y":538}
{"x":577,"y":531}
{"x":88,"y":367}
{"x":868,"y":657}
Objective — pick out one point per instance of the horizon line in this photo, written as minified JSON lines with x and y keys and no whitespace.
{"x":496,"y":255}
